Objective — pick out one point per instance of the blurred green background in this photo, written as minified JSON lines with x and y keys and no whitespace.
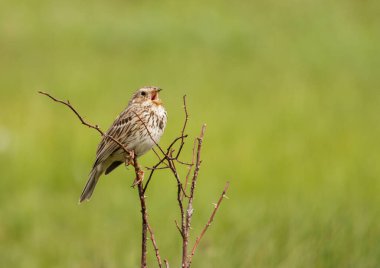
{"x":290,"y":93}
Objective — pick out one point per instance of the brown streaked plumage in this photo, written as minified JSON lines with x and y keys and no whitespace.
{"x":131,"y":132}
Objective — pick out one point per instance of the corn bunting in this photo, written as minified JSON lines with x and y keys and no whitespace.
{"x":129,"y":130}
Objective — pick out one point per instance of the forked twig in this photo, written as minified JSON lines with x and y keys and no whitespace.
{"x":179,"y":228}
{"x":217,"y":205}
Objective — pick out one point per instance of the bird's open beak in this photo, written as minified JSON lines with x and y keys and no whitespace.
{"x":155,"y":98}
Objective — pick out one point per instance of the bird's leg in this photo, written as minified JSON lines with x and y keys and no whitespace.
{"x":130,"y":159}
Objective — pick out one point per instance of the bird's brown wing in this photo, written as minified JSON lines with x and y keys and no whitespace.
{"x":122,"y":130}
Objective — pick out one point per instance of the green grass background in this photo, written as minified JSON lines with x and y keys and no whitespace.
{"x":290,"y":93}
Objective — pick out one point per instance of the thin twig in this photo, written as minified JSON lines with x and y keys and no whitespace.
{"x":173,"y":167}
{"x":191,"y":166}
{"x":151,"y":174}
{"x":67,"y":103}
{"x":177,"y":139}
{"x":158,"y":156}
{"x":157,"y":168}
{"x":183,"y":163}
{"x":155,"y":246}
{"x":217,"y":205}
{"x":166,"y":263}
{"x":96,"y":127}
{"x":179,"y":228}
{"x":161,"y":160}
{"x":184,"y":127}
{"x":197,"y":162}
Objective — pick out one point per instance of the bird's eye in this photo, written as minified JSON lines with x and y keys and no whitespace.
{"x":143,"y":93}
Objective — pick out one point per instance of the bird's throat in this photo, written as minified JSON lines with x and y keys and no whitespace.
{"x":157,"y":102}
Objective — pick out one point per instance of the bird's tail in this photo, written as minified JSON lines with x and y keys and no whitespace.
{"x":90,"y":185}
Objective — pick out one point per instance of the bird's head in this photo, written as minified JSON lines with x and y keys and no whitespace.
{"x":149,"y":94}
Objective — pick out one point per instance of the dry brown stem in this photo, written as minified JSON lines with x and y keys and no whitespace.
{"x":96,"y":127}
{"x":217,"y":205}
{"x":155,"y":246}
{"x":144,"y":214}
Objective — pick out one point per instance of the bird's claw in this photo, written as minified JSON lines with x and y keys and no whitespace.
{"x":130,"y":160}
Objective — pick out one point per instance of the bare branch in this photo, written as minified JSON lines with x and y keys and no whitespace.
{"x":197,"y":162}
{"x":183,"y":163}
{"x":151,"y":173}
{"x":157,"y":168}
{"x":67,"y":103}
{"x":139,"y":179}
{"x":191,"y":166}
{"x":145,"y":224}
{"x":155,"y":246}
{"x":223,"y":195}
{"x":158,"y":156}
{"x":179,"y":228}
{"x":96,"y":127}
{"x":177,"y":139}
{"x":184,"y":127}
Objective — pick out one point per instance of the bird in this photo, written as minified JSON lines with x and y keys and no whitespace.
{"x":138,"y":128}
